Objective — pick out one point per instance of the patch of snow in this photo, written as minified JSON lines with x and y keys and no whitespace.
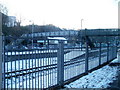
{"x":100,"y":78}
{"x":115,"y":60}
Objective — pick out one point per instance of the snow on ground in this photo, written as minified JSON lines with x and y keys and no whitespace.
{"x":43,"y":78}
{"x":30,"y":52}
{"x":39,"y":79}
{"x":31,"y":63}
{"x":100,"y":78}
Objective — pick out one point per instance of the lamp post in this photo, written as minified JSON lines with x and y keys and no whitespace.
{"x":81,"y":22}
{"x":32,"y":32}
{"x":81,"y":33}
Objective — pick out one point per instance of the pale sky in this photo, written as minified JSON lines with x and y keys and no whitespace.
{"x":66,"y":13}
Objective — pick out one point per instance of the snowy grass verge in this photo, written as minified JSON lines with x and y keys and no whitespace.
{"x":100,"y":78}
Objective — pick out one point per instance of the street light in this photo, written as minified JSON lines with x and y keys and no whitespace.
{"x":81,"y":22}
{"x":81,"y":33}
{"x":32,"y":32}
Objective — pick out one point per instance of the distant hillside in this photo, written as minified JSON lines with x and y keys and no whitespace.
{"x":19,"y":30}
{"x":43,"y":28}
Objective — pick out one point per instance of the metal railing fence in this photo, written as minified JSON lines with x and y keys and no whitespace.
{"x":52,"y":65}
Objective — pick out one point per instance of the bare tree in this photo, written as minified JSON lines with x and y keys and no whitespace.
{"x":3,"y":9}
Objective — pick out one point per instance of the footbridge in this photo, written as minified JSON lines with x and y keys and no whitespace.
{"x":83,"y":32}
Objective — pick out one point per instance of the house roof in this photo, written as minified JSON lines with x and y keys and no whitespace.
{"x":58,"y":38}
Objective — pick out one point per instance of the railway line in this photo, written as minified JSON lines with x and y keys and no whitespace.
{"x":77,"y":60}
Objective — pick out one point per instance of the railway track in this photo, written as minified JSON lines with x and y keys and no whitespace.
{"x":22,"y":72}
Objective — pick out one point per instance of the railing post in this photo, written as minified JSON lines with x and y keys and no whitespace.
{"x":86,"y":58}
{"x":99,"y":54}
{"x":116,"y":48}
{"x":60,"y":64}
{"x":112,"y":52}
{"x":107,"y":52}
{"x":1,"y":50}
{"x":119,"y":56}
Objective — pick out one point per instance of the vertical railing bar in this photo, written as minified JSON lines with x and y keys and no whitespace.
{"x":32,"y":65}
{"x":43,"y":65}
{"x":35,"y":54}
{"x":29,"y":67}
{"x":53,"y":69}
{"x":3,"y":60}
{"x":45,"y":77}
{"x":65,"y":68}
{"x":26,"y":65}
{"x":111,"y":52}
{"x":73,"y":55}
{"x":41,"y":71}
{"x":1,"y":47}
{"x":45,"y":60}
{"x":22,"y":53}
{"x":79,"y":63}
{"x":37,"y":63}
{"x":86,"y":58}
{"x":116,"y":48}
{"x":48,"y":66}
{"x":114,"y":51}
{"x":6,"y":59}
{"x":50,"y":69}
{"x":48,"y":63}
{"x":15,"y":72}
{"x":99,"y":54}
{"x":72,"y":50}
{"x":107,"y":52}
{"x":19,"y":68}
{"x":11,"y":70}
{"x":75,"y":66}
{"x":56,"y":63}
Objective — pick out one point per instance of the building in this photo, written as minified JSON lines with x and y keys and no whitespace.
{"x":54,"y":40}
{"x":11,"y":21}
